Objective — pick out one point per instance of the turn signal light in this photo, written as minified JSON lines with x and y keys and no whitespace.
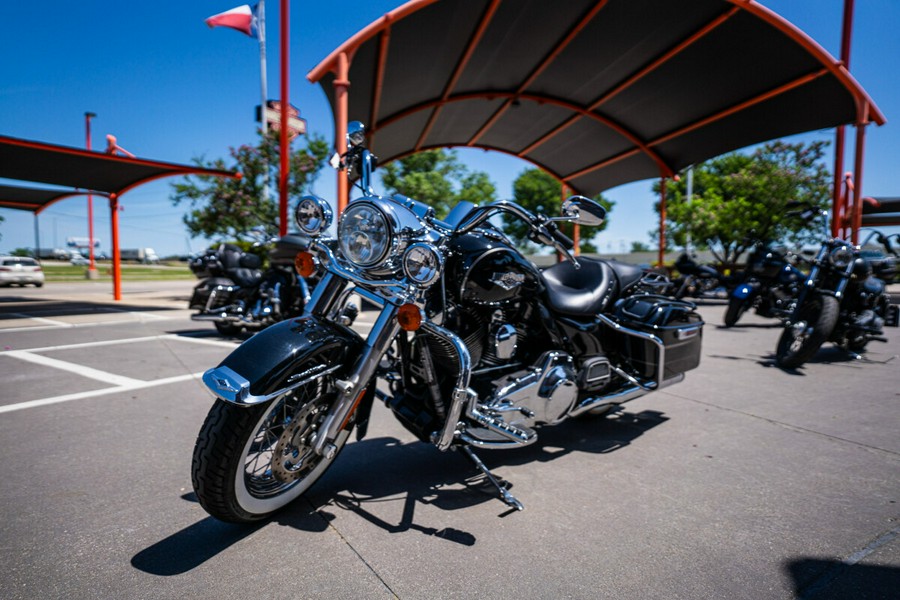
{"x":409,"y":316}
{"x":305,"y":264}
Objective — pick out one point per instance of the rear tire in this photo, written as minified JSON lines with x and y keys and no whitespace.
{"x":736,"y":307}
{"x":226,"y":328}
{"x":800,"y":341}
{"x":249,"y":462}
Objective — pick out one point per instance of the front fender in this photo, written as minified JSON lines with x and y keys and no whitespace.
{"x":745,"y":291}
{"x":259,"y":369}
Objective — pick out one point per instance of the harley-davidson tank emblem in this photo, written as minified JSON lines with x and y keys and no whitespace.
{"x":508,"y":280}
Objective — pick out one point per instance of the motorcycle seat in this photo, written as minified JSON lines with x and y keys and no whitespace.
{"x":245,"y":277}
{"x":581,"y":292}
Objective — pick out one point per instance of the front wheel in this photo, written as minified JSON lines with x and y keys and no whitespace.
{"x":736,"y":307}
{"x":802,"y":338}
{"x":251,"y":461}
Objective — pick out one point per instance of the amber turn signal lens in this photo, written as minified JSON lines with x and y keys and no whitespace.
{"x":305,"y":264}
{"x":409,"y":316}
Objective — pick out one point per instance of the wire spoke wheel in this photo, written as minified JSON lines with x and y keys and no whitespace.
{"x":251,"y":461}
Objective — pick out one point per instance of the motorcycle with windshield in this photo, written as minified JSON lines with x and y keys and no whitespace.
{"x":473,"y":347}
{"x":842,"y":300}
{"x":235,"y":294}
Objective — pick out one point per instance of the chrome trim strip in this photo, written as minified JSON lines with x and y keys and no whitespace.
{"x":233,"y":388}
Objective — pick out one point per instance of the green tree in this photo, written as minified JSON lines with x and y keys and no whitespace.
{"x":437,"y":178}
{"x":221,"y":206}
{"x":640,"y":247}
{"x":739,"y":198}
{"x":538,"y":191}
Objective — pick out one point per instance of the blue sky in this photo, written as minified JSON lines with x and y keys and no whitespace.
{"x":172,"y":89}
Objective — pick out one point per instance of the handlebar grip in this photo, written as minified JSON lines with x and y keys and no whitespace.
{"x":562,"y":238}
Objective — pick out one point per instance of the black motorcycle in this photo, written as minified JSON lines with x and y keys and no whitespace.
{"x":770,"y":283}
{"x":473,"y":347}
{"x":235,"y":294}
{"x":696,"y":280}
{"x":843,"y":301}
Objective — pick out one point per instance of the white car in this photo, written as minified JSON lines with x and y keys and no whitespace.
{"x":79,"y":260}
{"x":21,"y":270}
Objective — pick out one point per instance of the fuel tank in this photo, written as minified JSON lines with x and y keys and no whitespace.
{"x":483,"y":269}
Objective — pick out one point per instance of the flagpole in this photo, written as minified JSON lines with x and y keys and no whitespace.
{"x":285,"y":103}
{"x":261,"y":31}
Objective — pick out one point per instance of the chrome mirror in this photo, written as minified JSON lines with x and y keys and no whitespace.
{"x":583,"y":211}
{"x":356,"y":134}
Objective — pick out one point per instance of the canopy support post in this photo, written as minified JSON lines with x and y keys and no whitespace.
{"x":341,"y":86}
{"x":116,"y":260}
{"x":662,"y":221}
{"x":37,"y":236}
{"x":856,"y":224}
{"x":839,"y":203}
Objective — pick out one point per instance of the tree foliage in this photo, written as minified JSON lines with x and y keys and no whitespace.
{"x":740,"y":198}
{"x":439,"y":179}
{"x":538,"y":191}
{"x":221,"y":206}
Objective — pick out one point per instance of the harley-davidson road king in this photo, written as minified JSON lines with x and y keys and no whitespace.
{"x":473,"y":347}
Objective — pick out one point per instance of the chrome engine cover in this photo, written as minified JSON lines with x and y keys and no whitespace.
{"x":543,"y":393}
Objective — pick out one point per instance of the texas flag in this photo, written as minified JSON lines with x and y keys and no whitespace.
{"x":243,"y":18}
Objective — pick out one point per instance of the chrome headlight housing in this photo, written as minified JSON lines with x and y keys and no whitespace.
{"x":313,"y":215}
{"x":422,"y":264}
{"x":841,"y":257}
{"x":365,"y":235}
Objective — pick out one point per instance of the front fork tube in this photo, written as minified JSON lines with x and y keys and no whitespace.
{"x":350,"y":390}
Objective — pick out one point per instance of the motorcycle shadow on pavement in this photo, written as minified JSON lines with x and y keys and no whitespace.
{"x":371,"y":477}
{"x":380,"y":471}
{"x":824,"y":579}
{"x":831,"y":355}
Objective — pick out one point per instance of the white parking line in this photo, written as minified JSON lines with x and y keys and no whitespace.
{"x":93,"y":393}
{"x":52,"y":322}
{"x":82,"y":370}
{"x":61,"y":324}
{"x":167,"y":336}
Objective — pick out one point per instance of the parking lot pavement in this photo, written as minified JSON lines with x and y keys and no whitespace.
{"x":744,"y":481}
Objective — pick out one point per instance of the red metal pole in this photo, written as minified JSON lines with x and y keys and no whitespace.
{"x":858,"y":182}
{"x":341,"y":85}
{"x":284,"y":168}
{"x":662,"y":220}
{"x":90,"y":199}
{"x":839,"y":202}
{"x":116,"y":261}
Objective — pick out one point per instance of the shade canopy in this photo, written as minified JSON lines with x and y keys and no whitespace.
{"x":110,"y":175}
{"x":881,"y":211}
{"x":596,"y":92}
{"x":32,"y":199}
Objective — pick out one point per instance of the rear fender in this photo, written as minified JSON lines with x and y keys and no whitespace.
{"x":259,"y":369}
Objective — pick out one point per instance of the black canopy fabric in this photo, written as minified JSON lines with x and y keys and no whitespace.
{"x":32,"y":199}
{"x":883,"y":211}
{"x":596,"y":92}
{"x":111,"y":175}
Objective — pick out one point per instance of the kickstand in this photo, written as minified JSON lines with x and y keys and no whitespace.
{"x":505,"y":496}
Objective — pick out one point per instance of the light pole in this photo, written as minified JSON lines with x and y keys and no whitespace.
{"x":92,"y":270}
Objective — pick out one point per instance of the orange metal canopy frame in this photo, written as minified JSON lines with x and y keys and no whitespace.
{"x":596,"y":92}
{"x":93,"y":172}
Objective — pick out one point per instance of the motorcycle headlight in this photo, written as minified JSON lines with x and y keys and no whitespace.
{"x":313,"y":215}
{"x":422,"y":263}
{"x":364,"y":235}
{"x":841,"y":257}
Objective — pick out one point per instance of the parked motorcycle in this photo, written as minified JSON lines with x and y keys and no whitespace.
{"x":770,"y":283}
{"x":235,"y":294}
{"x":843,"y":301}
{"x":473,"y":346}
{"x":696,"y":280}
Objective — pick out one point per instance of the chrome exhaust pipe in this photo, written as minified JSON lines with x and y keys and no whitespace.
{"x":620,"y":397}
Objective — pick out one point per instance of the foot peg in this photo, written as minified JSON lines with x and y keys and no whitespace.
{"x":505,"y":496}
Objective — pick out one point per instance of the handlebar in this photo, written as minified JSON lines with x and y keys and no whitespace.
{"x":560,"y":238}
